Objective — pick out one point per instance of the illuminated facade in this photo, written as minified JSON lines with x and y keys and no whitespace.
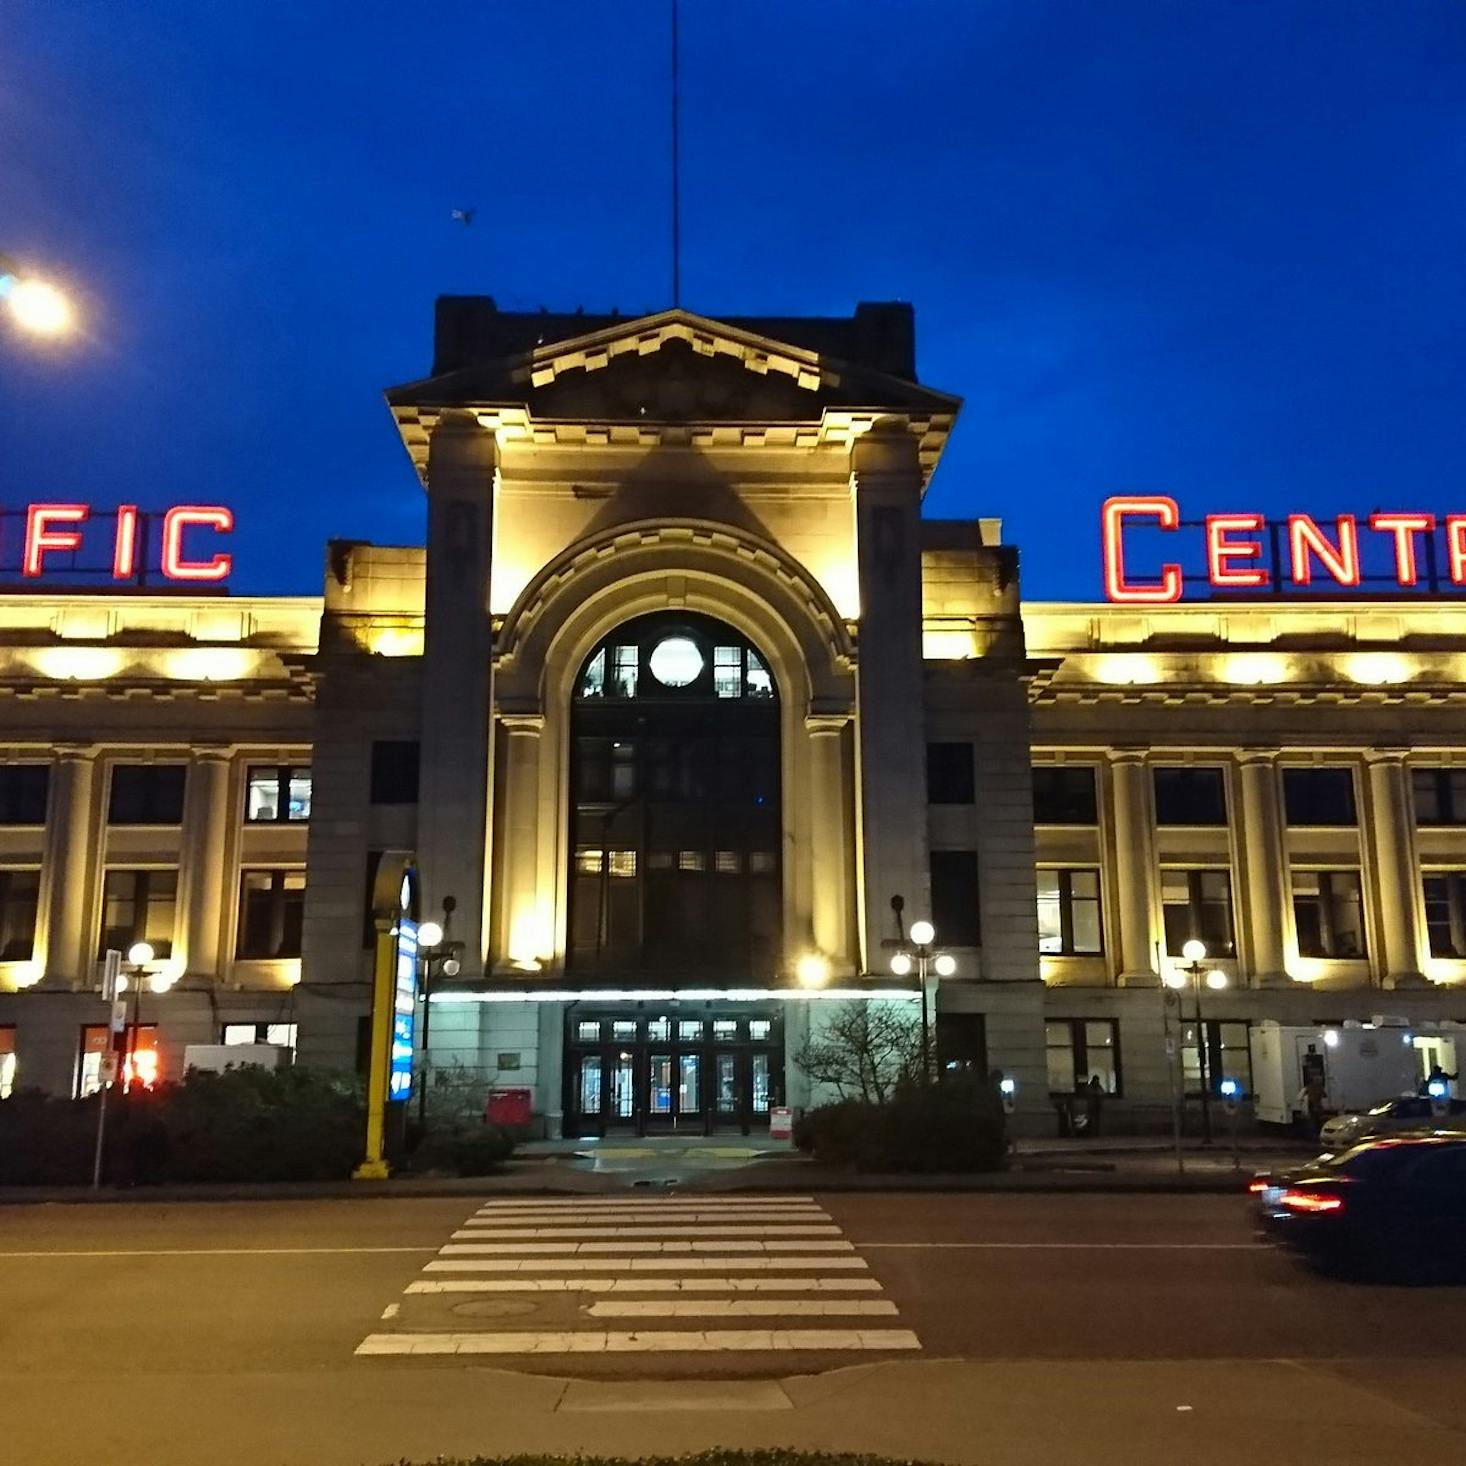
{"x":681,"y":692}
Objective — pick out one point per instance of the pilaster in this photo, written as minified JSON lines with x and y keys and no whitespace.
{"x":526,"y":928}
{"x":1392,"y":849}
{"x":457,"y":681}
{"x":1264,"y":869}
{"x":829,"y":843}
{"x":1135,"y":868}
{"x":68,"y":874}
{"x":208,"y":867}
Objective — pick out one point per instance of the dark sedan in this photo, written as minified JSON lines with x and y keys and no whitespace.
{"x":1393,"y":1208}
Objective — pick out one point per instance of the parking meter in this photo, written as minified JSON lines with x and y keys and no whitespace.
{"x":1231,"y":1093}
{"x":1440,"y":1098}
{"x":1008,"y":1088}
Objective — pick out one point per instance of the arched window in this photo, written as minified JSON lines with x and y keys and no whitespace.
{"x":675,"y":805}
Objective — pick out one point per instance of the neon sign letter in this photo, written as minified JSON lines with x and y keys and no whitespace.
{"x":183,"y":516}
{"x":1219,"y":550}
{"x":1112,"y":527}
{"x":124,"y":548}
{"x":41,"y":539}
{"x":1341,"y":561}
{"x":1404,"y":527}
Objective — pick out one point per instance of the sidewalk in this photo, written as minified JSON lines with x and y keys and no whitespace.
{"x":1109,"y":1164}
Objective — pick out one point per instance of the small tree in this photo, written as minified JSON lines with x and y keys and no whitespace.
{"x":863,"y":1051}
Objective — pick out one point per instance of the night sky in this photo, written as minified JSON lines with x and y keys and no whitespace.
{"x":1213,"y":250}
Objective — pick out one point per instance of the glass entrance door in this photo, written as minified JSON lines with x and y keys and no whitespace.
{"x":666,"y":1073}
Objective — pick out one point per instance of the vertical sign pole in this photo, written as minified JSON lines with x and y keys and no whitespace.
{"x":111,"y":969}
{"x":373,"y":1166}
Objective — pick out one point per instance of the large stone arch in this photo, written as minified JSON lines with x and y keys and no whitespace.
{"x":582,"y":596}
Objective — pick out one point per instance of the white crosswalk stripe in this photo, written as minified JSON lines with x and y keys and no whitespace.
{"x":546,"y":1274}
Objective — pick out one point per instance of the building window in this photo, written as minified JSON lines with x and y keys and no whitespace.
{"x":1445,"y":912}
{"x":1069,"y":913}
{"x":7,"y":1060}
{"x":1081,"y":1049}
{"x":955,"y":907}
{"x":146,"y":794}
{"x":1440,"y":796}
{"x":271,"y":909}
{"x":278,"y":795}
{"x":1328,"y":910}
{"x":282,"y":1035}
{"x":1228,"y":1056}
{"x":137,"y":1046}
{"x":138,"y":906}
{"x":394,"y":771}
{"x":1319,"y":796}
{"x":20,"y":892}
{"x":1190,"y":796}
{"x":961,"y":1043}
{"x":23,"y":793}
{"x":949,"y":773}
{"x":1198,"y":904}
{"x":1063,"y":794}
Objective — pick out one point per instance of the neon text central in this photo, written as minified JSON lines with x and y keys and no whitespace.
{"x":58,"y":529}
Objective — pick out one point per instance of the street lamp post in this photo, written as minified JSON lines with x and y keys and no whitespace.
{"x":437,"y":955}
{"x":1194,"y":966}
{"x":138,"y":957}
{"x":919,"y":953}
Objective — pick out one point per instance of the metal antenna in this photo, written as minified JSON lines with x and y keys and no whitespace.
{"x":676,"y":199}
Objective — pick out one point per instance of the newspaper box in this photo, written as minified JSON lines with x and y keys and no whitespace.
{"x":781,"y":1123}
{"x":510,"y":1106}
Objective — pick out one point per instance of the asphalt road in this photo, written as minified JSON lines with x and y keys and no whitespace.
{"x":989,"y":1328}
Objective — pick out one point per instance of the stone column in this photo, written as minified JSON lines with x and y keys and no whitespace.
{"x":891,"y":745}
{"x":66,"y":939}
{"x":1264,"y":871}
{"x":829,"y":846}
{"x":1392,"y":841}
{"x":528,"y":937}
{"x":457,"y":679}
{"x":1135,"y":868}
{"x":208,"y":867}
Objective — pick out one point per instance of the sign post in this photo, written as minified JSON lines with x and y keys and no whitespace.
{"x":117,"y":1018}
{"x":395,"y":949}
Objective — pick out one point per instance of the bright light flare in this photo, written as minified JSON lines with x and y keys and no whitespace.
{"x":38,"y":307}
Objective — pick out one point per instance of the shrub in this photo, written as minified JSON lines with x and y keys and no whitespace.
{"x":945,"y":1127}
{"x":475,"y":1148}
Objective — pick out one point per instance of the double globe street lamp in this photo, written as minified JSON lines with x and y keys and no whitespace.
{"x":1195,"y":969}
{"x":917,"y":952}
{"x":437,"y":957}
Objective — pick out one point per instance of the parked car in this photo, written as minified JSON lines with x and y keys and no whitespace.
{"x":1407,"y":1112}
{"x":1391,"y":1208}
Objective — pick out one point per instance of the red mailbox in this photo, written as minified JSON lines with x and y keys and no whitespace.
{"x":510,"y":1106}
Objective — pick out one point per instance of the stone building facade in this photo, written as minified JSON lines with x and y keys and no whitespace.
{"x":680,"y":693}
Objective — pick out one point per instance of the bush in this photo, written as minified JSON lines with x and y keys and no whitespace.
{"x":475,"y":1148}
{"x":246,"y":1124}
{"x":946,"y":1127}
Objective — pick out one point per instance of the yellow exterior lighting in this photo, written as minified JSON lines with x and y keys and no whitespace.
{"x":1127,"y":669}
{"x":813,"y":970}
{"x":39,"y":307}
{"x":77,"y":663}
{"x":1256,"y":669}
{"x":211,"y":664}
{"x":1378,"y":669}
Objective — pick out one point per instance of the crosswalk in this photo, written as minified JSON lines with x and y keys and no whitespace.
{"x":653,"y":1275}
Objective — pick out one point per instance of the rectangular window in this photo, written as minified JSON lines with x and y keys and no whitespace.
{"x":759,"y":1029}
{"x":624,"y":663}
{"x":1063,"y":794}
{"x":954,"y":898}
{"x":728,"y":671}
{"x":588,"y":1031}
{"x":271,"y":911}
{"x":760,"y":679}
{"x":7,"y":1060}
{"x":949,"y":773}
{"x":138,"y":906}
{"x":1190,"y":796}
{"x":277,"y":795}
{"x":725,"y":1030}
{"x":689,"y":1030}
{"x":1440,"y":796}
{"x":1445,"y":912}
{"x":1069,"y":913}
{"x":395,"y":771}
{"x":1328,"y":909}
{"x":658,"y":1030}
{"x":140,"y":1041}
{"x":146,"y":794}
{"x":23,"y":793}
{"x":624,"y":1031}
{"x":1198,"y":904}
{"x":1319,"y":796}
{"x":961,"y":1043}
{"x":1228,"y":1056}
{"x":282,"y":1035}
{"x":1081,"y":1049}
{"x":20,"y":892}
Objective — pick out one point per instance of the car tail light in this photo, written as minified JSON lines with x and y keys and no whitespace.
{"x":1257,"y":1185}
{"x":1312,"y":1201}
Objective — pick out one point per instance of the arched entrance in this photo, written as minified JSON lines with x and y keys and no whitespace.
{"x":674,"y":880}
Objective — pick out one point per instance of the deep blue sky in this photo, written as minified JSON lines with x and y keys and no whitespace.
{"x":1212,"y":248}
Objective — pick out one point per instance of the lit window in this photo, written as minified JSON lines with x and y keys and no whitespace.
{"x":623,"y":671}
{"x":593,"y":683}
{"x":588,"y":862}
{"x":1069,"y":912}
{"x":1198,"y":904}
{"x":624,"y":1031}
{"x":725,"y":1030}
{"x":691,"y":860}
{"x":727,"y":862}
{"x":1082,"y":1049}
{"x":588,"y":1031}
{"x":675,"y":661}
{"x":760,"y":682}
{"x":623,"y":863}
{"x":1328,"y":911}
{"x":281,"y":1035}
{"x":728,"y":671}
{"x":7,"y":1061}
{"x":761,"y":862}
{"x":689,"y":1030}
{"x":138,"y":906}
{"x":759,"y":1029}
{"x":278,"y":795}
{"x":658,"y":1030}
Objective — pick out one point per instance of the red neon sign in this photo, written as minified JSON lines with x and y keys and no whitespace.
{"x":1244,"y":551}
{"x":187,"y":529}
